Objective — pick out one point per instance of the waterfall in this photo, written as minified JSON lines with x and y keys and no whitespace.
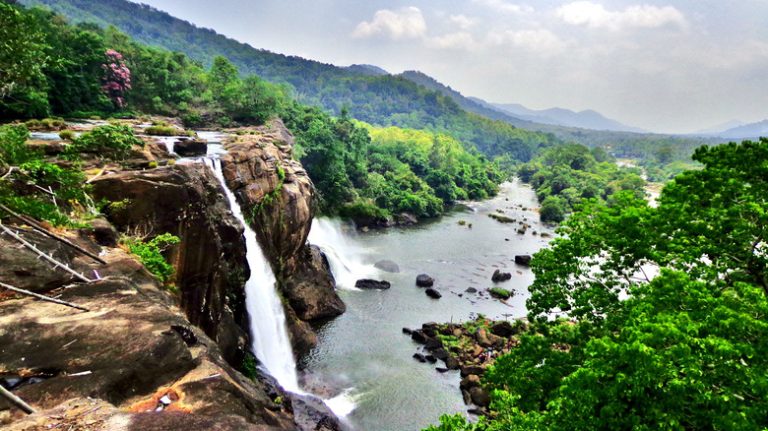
{"x":271,"y":344}
{"x":344,"y":257}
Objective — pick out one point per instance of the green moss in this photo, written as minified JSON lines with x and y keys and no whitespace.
{"x":501,"y":293}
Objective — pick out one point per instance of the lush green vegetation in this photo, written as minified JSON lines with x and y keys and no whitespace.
{"x":33,"y":186}
{"x":84,"y":70}
{"x":565,"y":176}
{"x":371,"y":173}
{"x":150,"y":253}
{"x":685,"y":349}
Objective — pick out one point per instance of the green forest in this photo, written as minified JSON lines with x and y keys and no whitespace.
{"x":84,"y":71}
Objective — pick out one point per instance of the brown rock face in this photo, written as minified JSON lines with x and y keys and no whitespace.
{"x":187,"y":201}
{"x":130,"y":351}
{"x":277,"y":198}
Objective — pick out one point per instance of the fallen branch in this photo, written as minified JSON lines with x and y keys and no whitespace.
{"x":100,"y":173}
{"x":38,"y":227}
{"x":45,"y":256}
{"x":43,"y":297}
{"x":16,"y":401}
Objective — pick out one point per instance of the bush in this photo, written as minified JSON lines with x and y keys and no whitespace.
{"x":67,"y":135}
{"x":161,"y":130}
{"x":113,"y":140}
{"x":552,"y":209}
{"x":150,"y":253}
{"x":500,"y":292}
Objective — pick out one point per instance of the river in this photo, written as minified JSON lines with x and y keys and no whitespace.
{"x":365,"y":350}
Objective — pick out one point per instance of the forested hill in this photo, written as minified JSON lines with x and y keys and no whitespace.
{"x":371,"y":97}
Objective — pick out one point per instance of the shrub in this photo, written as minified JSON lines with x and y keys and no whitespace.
{"x":113,"y":140}
{"x":67,"y":135}
{"x":500,"y":292}
{"x":552,"y":209}
{"x":150,"y":253}
{"x":162,"y":131}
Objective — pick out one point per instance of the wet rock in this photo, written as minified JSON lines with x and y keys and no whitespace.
{"x":407,"y":331}
{"x":503,"y":329}
{"x":469,"y":381}
{"x":499,"y":276}
{"x":368,"y":284}
{"x":311,"y":414}
{"x":471,"y":290}
{"x":387,"y":266}
{"x":440,"y":354}
{"x":524,"y":259}
{"x":406,"y":219}
{"x":441,"y":370}
{"x":430,"y":358}
{"x":190,"y":147}
{"x":419,"y":336}
{"x":479,"y":396}
{"x":472,"y":369}
{"x":310,"y":287}
{"x":424,"y":280}
{"x":430,"y":328}
{"x":432,"y":293}
{"x":452,"y":363}
{"x":419,"y":357}
{"x":432,"y":344}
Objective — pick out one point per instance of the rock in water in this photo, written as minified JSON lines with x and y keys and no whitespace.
{"x":190,"y":147}
{"x":499,"y":276}
{"x":432,"y":293}
{"x":369,"y":284}
{"x":523,"y":259}
{"x":423,"y":280}
{"x":387,"y":266}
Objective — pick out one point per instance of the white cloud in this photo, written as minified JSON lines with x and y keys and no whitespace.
{"x":504,"y":6}
{"x":403,"y":23}
{"x":462,"y":21}
{"x":540,"y":41}
{"x":595,"y":15}
{"x":459,"y":40}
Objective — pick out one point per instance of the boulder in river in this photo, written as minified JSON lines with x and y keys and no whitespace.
{"x":423,"y":280}
{"x":499,"y":276}
{"x":432,"y":293}
{"x":419,"y":357}
{"x":368,"y":284}
{"x":387,"y":266}
{"x":471,"y":290}
{"x":190,"y":147}
{"x":523,"y":259}
{"x":503,"y":329}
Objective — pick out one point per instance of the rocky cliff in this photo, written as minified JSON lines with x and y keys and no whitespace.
{"x":278,"y":199}
{"x":132,"y":359}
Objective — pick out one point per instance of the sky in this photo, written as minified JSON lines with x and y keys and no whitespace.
{"x":664,"y":66}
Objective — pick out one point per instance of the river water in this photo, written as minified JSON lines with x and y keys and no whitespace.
{"x":365,"y":349}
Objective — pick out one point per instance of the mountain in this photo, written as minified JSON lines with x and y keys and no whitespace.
{"x":367,"y":69}
{"x":720,"y":128}
{"x":751,"y":130}
{"x":587,"y":119}
{"x":468,"y":103}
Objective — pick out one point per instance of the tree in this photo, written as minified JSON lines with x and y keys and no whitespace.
{"x":22,"y":50}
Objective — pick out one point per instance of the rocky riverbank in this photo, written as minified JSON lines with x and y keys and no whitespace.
{"x":469,"y":347}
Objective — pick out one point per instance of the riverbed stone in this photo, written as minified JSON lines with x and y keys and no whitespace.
{"x":190,"y":147}
{"x":387,"y":266}
{"x":479,"y":396}
{"x":369,"y":284}
{"x":424,"y":280}
{"x":499,"y":276}
{"x":524,"y":259}
{"x":503,"y":329}
{"x":434,"y":294}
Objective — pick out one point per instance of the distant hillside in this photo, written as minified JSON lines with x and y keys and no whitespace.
{"x":467,"y":103}
{"x":751,"y":130}
{"x":587,"y":119}
{"x":720,"y":128}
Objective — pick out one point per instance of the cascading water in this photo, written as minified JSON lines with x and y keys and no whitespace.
{"x":271,"y":344}
{"x":343,"y":256}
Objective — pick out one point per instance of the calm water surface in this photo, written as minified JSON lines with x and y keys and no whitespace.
{"x":365,"y":349}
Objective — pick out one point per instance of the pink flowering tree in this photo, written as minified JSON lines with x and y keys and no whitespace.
{"x":117,"y":78}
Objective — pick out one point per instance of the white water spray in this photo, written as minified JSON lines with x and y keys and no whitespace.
{"x":344,"y":257}
{"x":270,"y":336}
